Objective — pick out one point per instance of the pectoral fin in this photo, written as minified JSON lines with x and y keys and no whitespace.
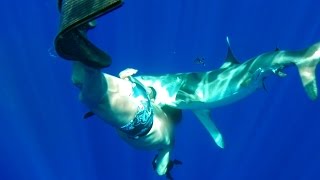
{"x":204,"y":116}
{"x":88,"y":114}
{"x":308,"y":77}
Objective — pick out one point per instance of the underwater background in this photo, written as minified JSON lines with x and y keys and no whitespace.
{"x":272,"y":134}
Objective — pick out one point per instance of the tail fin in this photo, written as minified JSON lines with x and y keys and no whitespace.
{"x":307,"y":70}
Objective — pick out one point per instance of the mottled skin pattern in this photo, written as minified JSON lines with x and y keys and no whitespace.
{"x":202,"y":91}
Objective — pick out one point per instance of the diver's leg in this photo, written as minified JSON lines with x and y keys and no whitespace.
{"x":91,"y":82}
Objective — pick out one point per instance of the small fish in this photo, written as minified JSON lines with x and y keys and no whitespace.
{"x":200,"y":60}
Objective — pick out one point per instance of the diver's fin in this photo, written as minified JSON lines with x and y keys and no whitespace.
{"x":76,"y":18}
{"x":88,"y":114}
{"x":204,"y":116}
{"x":230,"y":59}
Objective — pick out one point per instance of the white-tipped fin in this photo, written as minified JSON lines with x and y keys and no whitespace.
{"x":308,"y":78}
{"x":307,"y":69}
{"x":204,"y":116}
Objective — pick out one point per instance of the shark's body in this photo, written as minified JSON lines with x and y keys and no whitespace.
{"x":203,"y":91}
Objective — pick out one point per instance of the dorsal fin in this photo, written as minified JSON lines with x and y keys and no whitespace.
{"x":230,"y":59}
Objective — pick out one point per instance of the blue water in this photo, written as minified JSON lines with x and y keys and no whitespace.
{"x":272,"y":134}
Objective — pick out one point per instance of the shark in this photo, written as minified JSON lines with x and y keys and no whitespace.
{"x":201,"y":92}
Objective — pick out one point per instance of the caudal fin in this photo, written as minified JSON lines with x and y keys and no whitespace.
{"x":307,"y":70}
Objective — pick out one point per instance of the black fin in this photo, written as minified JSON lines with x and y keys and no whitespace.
{"x":170,"y":166}
{"x":88,"y":114}
{"x":77,"y":17}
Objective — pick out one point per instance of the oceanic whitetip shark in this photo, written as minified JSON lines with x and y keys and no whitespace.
{"x":202,"y":91}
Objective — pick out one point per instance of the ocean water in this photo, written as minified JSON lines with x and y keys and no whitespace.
{"x":272,"y":134}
